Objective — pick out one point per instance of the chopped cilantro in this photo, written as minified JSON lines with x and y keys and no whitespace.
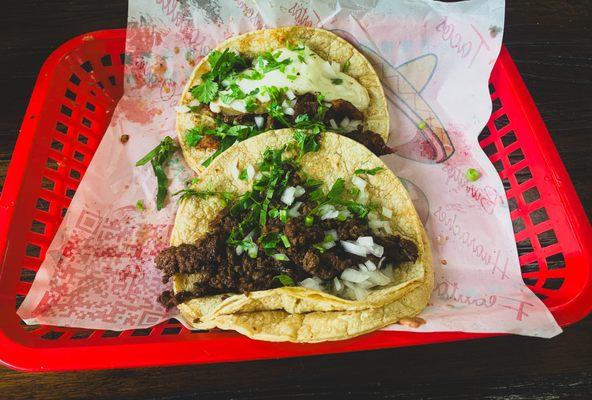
{"x":306,"y":141}
{"x":203,"y":194}
{"x":422,"y":125}
{"x":472,"y":175}
{"x":309,"y":220}
{"x":291,"y":77}
{"x":372,"y":171}
{"x":345,"y":67}
{"x":157,"y":158}
{"x":205,"y":92}
{"x":337,"y":81}
{"x":194,"y":135}
{"x":140,"y":205}
{"x":243,"y":176}
{"x":285,"y":280}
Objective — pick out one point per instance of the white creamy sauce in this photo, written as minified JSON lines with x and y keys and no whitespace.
{"x":312,"y":75}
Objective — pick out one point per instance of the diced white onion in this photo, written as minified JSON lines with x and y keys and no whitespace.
{"x":344,"y":122}
{"x":380,"y":262}
{"x":336,"y":66}
{"x":378,"y":278}
{"x":250,"y":172}
{"x":333,"y":123}
{"x":359,"y":293}
{"x":366,"y":241}
{"x":328,"y":69}
{"x":234,"y":170}
{"x":376,"y":223}
{"x":288,"y":195}
{"x":376,"y":250}
{"x":362,"y":197}
{"x":351,"y":275}
{"x":293,"y":212}
{"x":337,"y":284}
{"x":345,"y":214}
{"x":259,"y":121}
{"x":332,"y":233}
{"x":354,"y":248}
{"x":299,"y":191}
{"x":280,"y":257}
{"x":330,"y":215}
{"x":253,"y":251}
{"x":182,"y":109}
{"x":215,"y":107}
{"x":372,"y":216}
{"x":387,"y":229}
{"x":289,"y":111}
{"x":362,"y":268}
{"x":328,"y":245}
{"x":387,"y":212}
{"x":239,"y":250}
{"x":367,"y":284}
{"x":311,"y":283}
{"x":290,"y":95}
{"x":370,"y":265}
{"x":194,"y":103}
{"x":359,"y":182}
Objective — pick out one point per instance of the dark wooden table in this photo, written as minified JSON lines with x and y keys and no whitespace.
{"x":551,"y":41}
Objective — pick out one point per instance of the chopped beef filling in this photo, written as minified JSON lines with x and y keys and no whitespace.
{"x":309,"y":105}
{"x":221,"y":270}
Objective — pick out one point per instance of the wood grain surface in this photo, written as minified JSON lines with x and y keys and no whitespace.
{"x":551,"y":42}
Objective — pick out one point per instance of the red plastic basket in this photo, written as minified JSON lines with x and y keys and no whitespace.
{"x":71,"y":106}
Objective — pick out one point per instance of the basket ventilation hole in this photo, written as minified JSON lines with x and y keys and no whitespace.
{"x":496,"y":104}
{"x":512,"y":205}
{"x":38,"y":227}
{"x":75,"y":79}
{"x":19,"y":300}
{"x":499,"y":166}
{"x":64,"y":211}
{"x":538,"y":216}
{"x":112,"y":80}
{"x":82,"y":139}
{"x":90,"y":106}
{"x":530,"y":267}
{"x":70,"y":193}
{"x":87,"y":66}
{"x":47,"y":184}
{"x":524,"y":246}
{"x":57,"y":145}
{"x":171,"y":331}
{"x":508,"y":138}
{"x":518,"y":225}
{"x":27,"y":275}
{"x":491,"y":88}
{"x":82,"y":334}
{"x":67,"y":111}
{"x":531,"y":195}
{"x":516,"y":156}
{"x":52,"y":164}
{"x":75,"y":174}
{"x":78,"y":156}
{"x":60,"y":127}
{"x":506,"y":184}
{"x":485,"y":133}
{"x":555,"y":261}
{"x":553,"y":283}
{"x":142,"y":332}
{"x":52,"y":335}
{"x":33,"y":250}
{"x":42,"y":204}
{"x":106,"y":60}
{"x":501,"y":122}
{"x":122,"y":58}
{"x":100,"y":84}
{"x":523,"y":175}
{"x":70,"y":94}
{"x":530,"y":281}
{"x":86,"y":122}
{"x":110,"y":334}
{"x":490,"y":149}
{"x":547,"y":238}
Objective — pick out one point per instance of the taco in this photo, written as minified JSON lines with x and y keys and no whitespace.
{"x":297,"y":236}
{"x":295,"y":77}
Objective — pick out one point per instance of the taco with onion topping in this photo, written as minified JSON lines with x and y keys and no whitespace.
{"x":290,"y":77}
{"x":297,"y":236}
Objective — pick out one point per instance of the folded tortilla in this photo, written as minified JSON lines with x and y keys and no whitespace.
{"x":327,"y":45}
{"x":296,"y":313}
